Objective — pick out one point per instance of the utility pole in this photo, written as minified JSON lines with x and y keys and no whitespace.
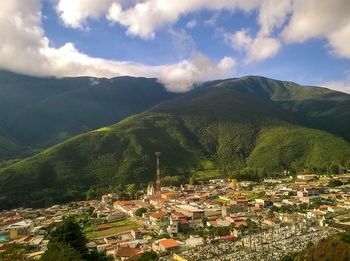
{"x":158,"y":174}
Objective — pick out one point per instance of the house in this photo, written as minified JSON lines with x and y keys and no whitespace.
{"x":165,"y":245}
{"x":308,"y":192}
{"x":125,"y":253}
{"x":136,"y":233}
{"x":156,"y":217}
{"x":173,"y":228}
{"x":212,"y":212}
{"x":306,"y":177}
{"x":20,"y":229}
{"x":191,"y":211}
{"x":264,"y":202}
{"x":243,"y":202}
{"x":182,"y":220}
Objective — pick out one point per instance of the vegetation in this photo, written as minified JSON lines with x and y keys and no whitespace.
{"x":336,"y":247}
{"x":14,"y":252}
{"x":140,"y":211}
{"x":37,"y":112}
{"x":335,"y":183}
{"x":116,"y":227}
{"x":245,"y":128}
{"x":148,"y":256}
{"x":68,"y":243}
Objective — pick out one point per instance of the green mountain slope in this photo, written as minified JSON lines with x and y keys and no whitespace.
{"x":37,"y":112}
{"x":234,"y":130}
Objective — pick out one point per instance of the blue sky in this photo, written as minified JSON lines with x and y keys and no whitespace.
{"x":282,"y":41}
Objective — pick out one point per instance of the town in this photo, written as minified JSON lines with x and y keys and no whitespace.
{"x":221,"y":219}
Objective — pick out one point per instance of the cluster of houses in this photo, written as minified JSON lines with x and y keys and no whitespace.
{"x":170,"y":220}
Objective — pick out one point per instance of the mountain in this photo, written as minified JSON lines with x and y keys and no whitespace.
{"x":247,"y":128}
{"x":38,"y":112}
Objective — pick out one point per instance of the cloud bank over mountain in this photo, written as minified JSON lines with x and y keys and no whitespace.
{"x":25,"y":48}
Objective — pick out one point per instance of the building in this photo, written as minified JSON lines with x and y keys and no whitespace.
{"x":308,"y":192}
{"x":125,"y":253}
{"x":306,"y":177}
{"x":264,"y":202}
{"x":173,"y":228}
{"x":165,"y":245}
{"x":136,"y":233}
{"x":157,"y":217}
{"x":20,"y":229}
{"x":191,"y":211}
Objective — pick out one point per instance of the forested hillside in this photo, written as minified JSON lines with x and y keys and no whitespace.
{"x":233,"y":128}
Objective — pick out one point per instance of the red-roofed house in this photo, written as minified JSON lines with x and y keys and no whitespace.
{"x":165,"y":245}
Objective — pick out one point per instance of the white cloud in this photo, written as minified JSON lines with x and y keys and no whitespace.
{"x":191,"y":24}
{"x":338,"y":86}
{"x":263,"y":48}
{"x":180,"y":77}
{"x":256,"y":49}
{"x":142,"y":18}
{"x":74,"y":13}
{"x":272,"y":15}
{"x":25,"y":49}
{"x":240,"y":40}
{"x":328,"y":19}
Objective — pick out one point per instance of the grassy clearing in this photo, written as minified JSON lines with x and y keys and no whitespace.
{"x":206,"y":175}
{"x":117,"y":227}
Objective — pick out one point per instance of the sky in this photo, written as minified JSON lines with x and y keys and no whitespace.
{"x":180,"y":42}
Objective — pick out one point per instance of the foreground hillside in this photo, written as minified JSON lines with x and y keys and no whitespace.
{"x":38,"y":112}
{"x":230,"y":128}
{"x":336,"y":247}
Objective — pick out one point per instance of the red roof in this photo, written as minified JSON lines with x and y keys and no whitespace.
{"x":158,"y":215}
{"x":168,"y":243}
{"x":127,"y":252}
{"x":178,"y":214}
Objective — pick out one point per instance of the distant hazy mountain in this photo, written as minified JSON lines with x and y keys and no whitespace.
{"x":37,"y":112}
{"x":247,"y":127}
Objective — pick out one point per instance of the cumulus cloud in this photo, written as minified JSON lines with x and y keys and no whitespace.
{"x":256,"y":49}
{"x":272,"y":14}
{"x":24,"y":48}
{"x":74,"y":13}
{"x":142,"y":18}
{"x":180,"y":77}
{"x":328,"y":19}
{"x":305,"y":19}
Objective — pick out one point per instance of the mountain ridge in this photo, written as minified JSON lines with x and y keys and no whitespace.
{"x":37,"y":112}
{"x":223,"y":125}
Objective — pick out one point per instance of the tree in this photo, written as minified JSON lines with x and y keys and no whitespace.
{"x":148,"y":256}
{"x":14,"y":252}
{"x":140,"y":211}
{"x":61,"y":252}
{"x":68,"y":243}
{"x":69,"y":233}
{"x":335,"y":183}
